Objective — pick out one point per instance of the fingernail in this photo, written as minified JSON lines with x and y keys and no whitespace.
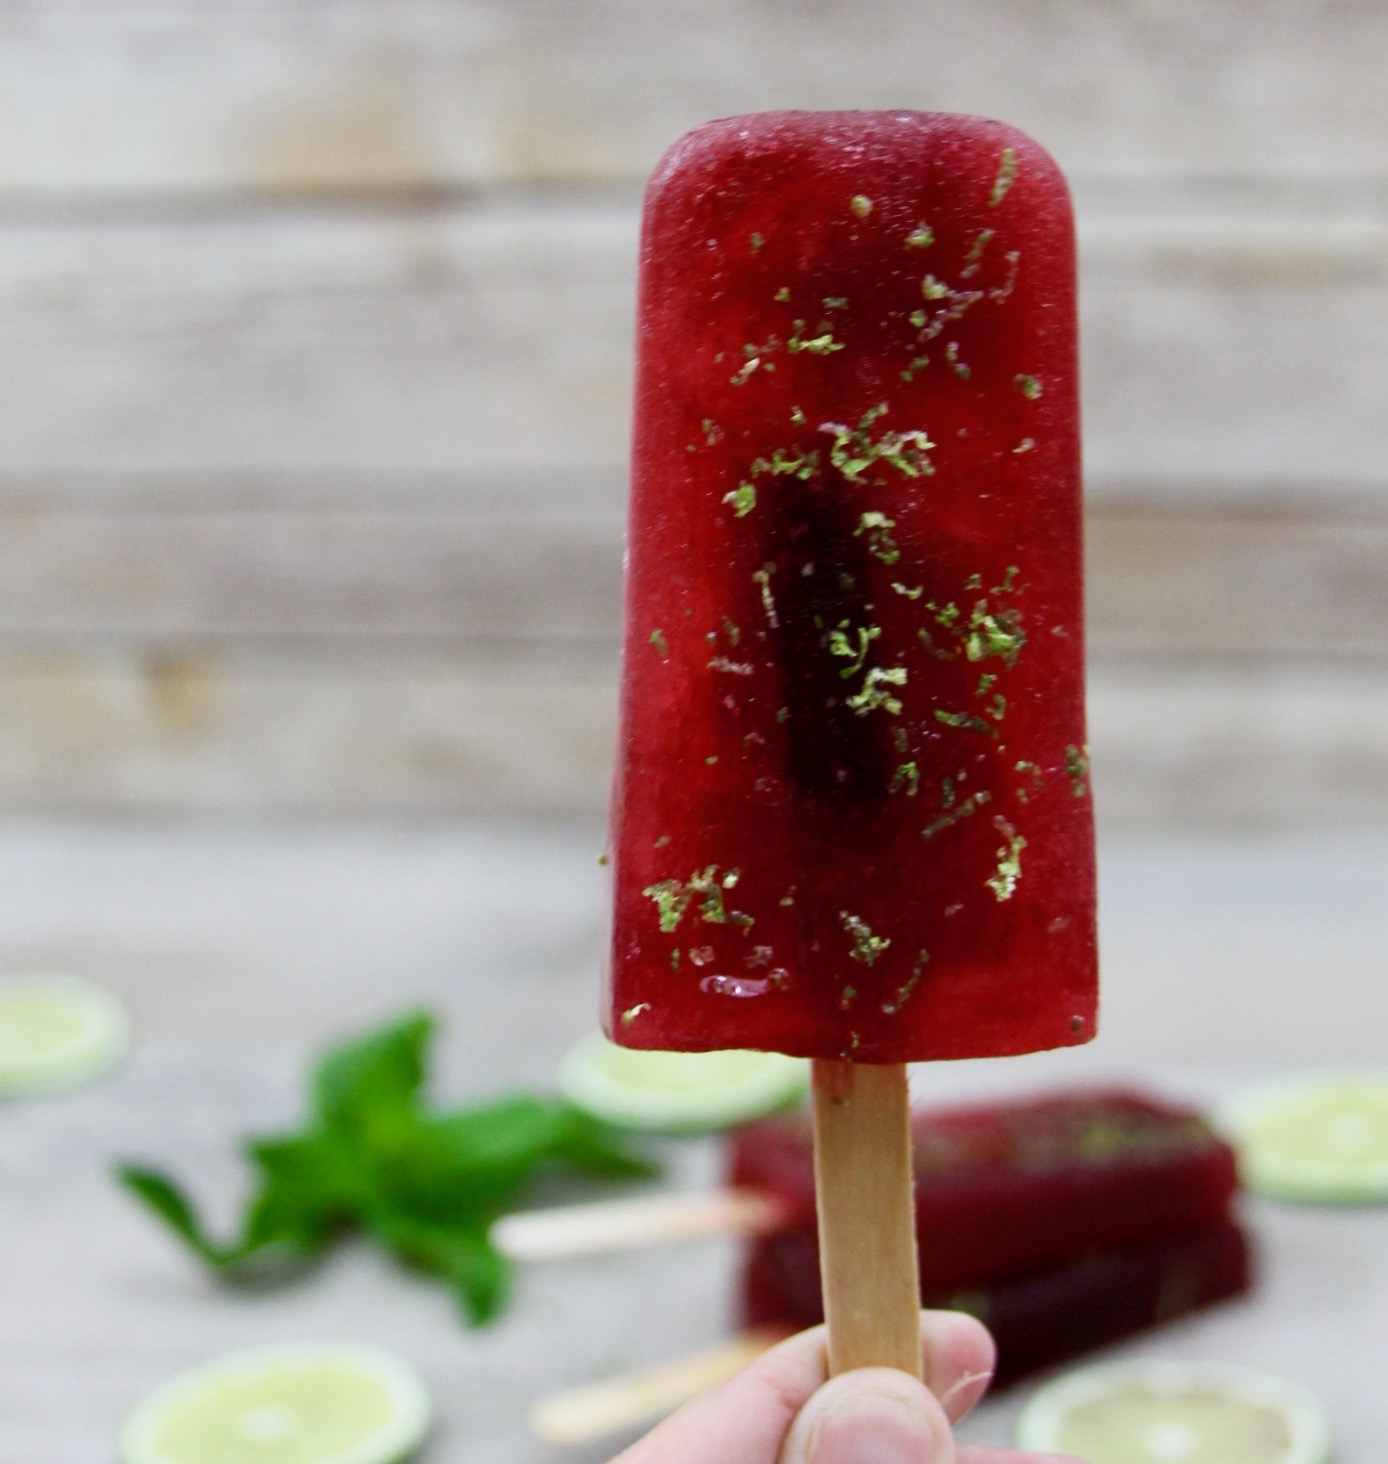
{"x":873,"y":1428}
{"x":965,"y":1393}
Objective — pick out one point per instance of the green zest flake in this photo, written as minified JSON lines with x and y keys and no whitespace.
{"x":1009,"y":581}
{"x":743,"y":499}
{"x":918,"y":319}
{"x":739,"y":378}
{"x":934,"y":289}
{"x":968,"y":807}
{"x":661,"y":842}
{"x":994,"y":635}
{"x":854,"y":450}
{"x":1029,"y":386}
{"x":878,"y":528}
{"x":892,"y":1007}
{"x":673,"y":898}
{"x":861,"y":205}
{"x":671,"y":901}
{"x":874,"y":694}
{"x":965,"y":720}
{"x":1004,"y":883}
{"x":960,"y":368}
{"x":631,"y":1013}
{"x":947,"y":792}
{"x":675,"y":959}
{"x":762,"y":578}
{"x":787,"y":899}
{"x":907,"y":776}
{"x":734,"y":668}
{"x":918,"y":364}
{"x":733,"y":634}
{"x":756,"y":242}
{"x":797,"y":417}
{"x":658,"y":640}
{"x":975,"y":256}
{"x":783,"y":714}
{"x":782,"y":296}
{"x":781,"y":463}
{"x":1001,"y":292}
{"x":974,"y":582}
{"x":709,"y":761}
{"x":711,"y":430}
{"x":840,"y":645}
{"x":823,"y":344}
{"x":1007,"y":176}
{"x":836,"y":302}
{"x":1025,"y":445}
{"x":984,"y":682}
{"x":921,"y":237}
{"x":1077,"y":765}
{"x":998,"y":710}
{"x":910,"y":594}
{"x":945,"y":615}
{"x":867,"y":947}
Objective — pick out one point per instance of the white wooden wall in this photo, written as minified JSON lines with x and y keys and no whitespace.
{"x":314,"y":349}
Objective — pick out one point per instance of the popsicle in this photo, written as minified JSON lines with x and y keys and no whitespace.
{"x":1044,"y":1317}
{"x":850,"y":819}
{"x":1010,"y":1188}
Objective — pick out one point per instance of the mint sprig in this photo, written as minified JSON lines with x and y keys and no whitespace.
{"x":425,"y":1183}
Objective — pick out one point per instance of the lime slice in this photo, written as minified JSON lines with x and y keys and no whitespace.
{"x":1175,"y":1413}
{"x":311,"y":1403}
{"x":1319,"y":1137}
{"x":678,"y":1092}
{"x":57,"y":1032}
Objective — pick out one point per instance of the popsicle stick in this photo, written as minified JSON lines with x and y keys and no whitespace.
{"x":597,"y":1409}
{"x":611,"y":1225}
{"x":867,"y":1231}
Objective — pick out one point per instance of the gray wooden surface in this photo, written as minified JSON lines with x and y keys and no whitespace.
{"x":315,"y":353}
{"x":240,"y":950}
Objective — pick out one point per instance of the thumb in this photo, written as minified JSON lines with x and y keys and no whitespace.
{"x":874,"y":1415}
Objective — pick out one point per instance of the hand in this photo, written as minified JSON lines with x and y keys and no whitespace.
{"x":783,"y":1409}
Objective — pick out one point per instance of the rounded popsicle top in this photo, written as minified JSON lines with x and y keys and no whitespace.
{"x":851,"y":816}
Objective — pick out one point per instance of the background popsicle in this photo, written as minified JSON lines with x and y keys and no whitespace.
{"x":851,"y":815}
{"x":1006,"y":1189}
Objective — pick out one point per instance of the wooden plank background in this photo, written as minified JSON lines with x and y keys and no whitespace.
{"x":314,"y":358}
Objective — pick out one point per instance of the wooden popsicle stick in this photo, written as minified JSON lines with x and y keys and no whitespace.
{"x":597,"y":1409}
{"x":610,"y":1225}
{"x":867,"y":1225}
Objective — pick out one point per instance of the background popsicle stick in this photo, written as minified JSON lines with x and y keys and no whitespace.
{"x":611,"y":1225}
{"x":632,"y":1399}
{"x":867,"y":1233}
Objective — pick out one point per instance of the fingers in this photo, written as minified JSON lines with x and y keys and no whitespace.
{"x":748,"y":1417}
{"x":977,"y":1454}
{"x":873,"y":1415}
{"x":957,"y":1360}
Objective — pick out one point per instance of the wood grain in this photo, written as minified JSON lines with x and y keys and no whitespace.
{"x":496,"y":338}
{"x":138,"y":99}
{"x":865,"y":1199}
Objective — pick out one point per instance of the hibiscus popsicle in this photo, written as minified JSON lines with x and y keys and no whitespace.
{"x":851,"y":815}
{"x":851,"y":819}
{"x":1010,"y":1189}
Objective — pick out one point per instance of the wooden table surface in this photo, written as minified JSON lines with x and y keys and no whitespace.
{"x":240,"y":950}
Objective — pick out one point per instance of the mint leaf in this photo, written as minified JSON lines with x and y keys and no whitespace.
{"x":311,"y":1187}
{"x":172,"y":1206}
{"x":478,"y":1274}
{"x":373,"y":1158}
{"x":374,"y":1078}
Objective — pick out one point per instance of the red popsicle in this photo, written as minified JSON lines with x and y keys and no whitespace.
{"x":851,"y":819}
{"x":1010,"y":1189}
{"x":851,"y":815}
{"x":1047,"y":1317}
